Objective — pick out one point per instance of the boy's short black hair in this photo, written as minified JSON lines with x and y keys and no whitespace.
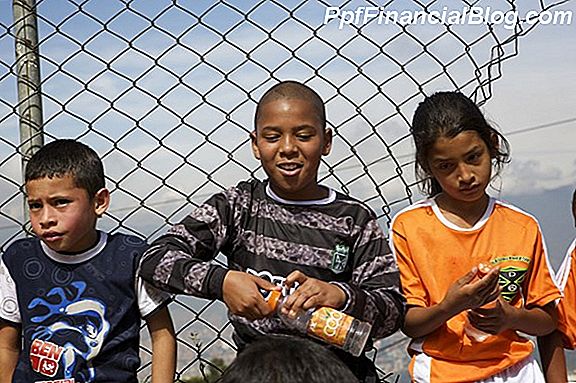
{"x":283,"y":359}
{"x":68,"y":157}
{"x":287,"y":90}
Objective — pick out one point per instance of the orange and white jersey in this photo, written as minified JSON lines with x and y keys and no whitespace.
{"x":566,"y":279}
{"x":432,"y":253}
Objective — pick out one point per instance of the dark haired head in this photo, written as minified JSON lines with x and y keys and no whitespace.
{"x":574,"y":206}
{"x":282,"y":359}
{"x":290,"y":90}
{"x":68,"y":157}
{"x":446,"y":114}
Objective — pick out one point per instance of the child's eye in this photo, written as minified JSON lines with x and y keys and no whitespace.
{"x":304,"y":137}
{"x":272,"y":137}
{"x":61,"y":202}
{"x":474,"y":157}
{"x":34,"y":205}
{"x":444,"y":166}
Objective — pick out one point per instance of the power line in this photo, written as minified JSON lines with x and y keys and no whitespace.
{"x":543,"y":126}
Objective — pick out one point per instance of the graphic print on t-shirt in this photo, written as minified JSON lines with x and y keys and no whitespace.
{"x":72,"y":331}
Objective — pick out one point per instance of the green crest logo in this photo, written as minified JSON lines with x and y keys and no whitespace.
{"x":339,"y":258}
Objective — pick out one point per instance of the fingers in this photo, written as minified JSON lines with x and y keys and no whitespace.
{"x":264,"y":284}
{"x":241,"y":294}
{"x":295,"y":276}
{"x":468,"y":277}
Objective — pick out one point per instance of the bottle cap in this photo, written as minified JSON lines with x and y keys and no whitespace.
{"x":483,"y":269}
{"x":273,"y":299}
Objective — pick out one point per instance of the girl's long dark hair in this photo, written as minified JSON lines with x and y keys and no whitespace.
{"x":446,"y":114}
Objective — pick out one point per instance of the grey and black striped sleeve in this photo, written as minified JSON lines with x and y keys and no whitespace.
{"x":374,"y":294}
{"x":180,"y":260}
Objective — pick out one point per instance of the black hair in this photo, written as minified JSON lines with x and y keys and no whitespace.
{"x":284,"y":359}
{"x":446,"y":114}
{"x":68,"y":157}
{"x":288,"y":90}
{"x":574,"y":206}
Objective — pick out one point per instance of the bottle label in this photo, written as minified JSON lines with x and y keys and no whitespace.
{"x":330,"y":325}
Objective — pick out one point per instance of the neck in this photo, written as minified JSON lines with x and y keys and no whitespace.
{"x":461,"y":213}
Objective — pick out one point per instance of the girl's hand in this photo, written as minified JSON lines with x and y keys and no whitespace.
{"x":494,"y":318}
{"x":311,"y":292}
{"x":466,"y":293}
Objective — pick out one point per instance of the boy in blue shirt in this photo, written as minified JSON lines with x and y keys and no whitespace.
{"x":71,"y":293}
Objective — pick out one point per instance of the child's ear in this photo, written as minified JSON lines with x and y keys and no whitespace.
{"x":255,"y":149}
{"x":494,"y":145}
{"x":101,"y":201}
{"x":327,"y":141}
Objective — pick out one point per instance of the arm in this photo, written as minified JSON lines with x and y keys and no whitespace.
{"x":552,"y":357}
{"x":426,"y":315}
{"x":163,"y":339}
{"x":180,"y":260}
{"x":374,"y":293}
{"x":537,"y":321}
{"x":10,"y":345}
{"x":464,"y":294}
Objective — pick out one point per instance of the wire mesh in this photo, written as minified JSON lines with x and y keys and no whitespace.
{"x":165,"y":91}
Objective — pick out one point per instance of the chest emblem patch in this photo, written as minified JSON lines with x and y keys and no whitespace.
{"x":511,"y":279}
{"x":339,"y":258}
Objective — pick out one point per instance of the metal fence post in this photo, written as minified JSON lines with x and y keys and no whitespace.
{"x":28,"y":73}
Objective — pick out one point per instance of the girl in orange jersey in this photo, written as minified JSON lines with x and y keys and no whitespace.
{"x":439,"y":243}
{"x":552,"y":346}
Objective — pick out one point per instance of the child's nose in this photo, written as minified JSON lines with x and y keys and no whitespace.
{"x":47,"y":217}
{"x":288,"y":145}
{"x":465,"y":174}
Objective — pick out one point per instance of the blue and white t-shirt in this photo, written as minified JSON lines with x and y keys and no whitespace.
{"x":80,"y":314}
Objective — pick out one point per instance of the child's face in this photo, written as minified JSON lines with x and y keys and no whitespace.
{"x":63,"y":215}
{"x":289,"y":142}
{"x":462,"y":165}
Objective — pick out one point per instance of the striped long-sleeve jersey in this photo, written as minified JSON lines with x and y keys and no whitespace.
{"x":336,"y":239}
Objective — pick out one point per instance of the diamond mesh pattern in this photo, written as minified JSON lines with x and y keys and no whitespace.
{"x":165,"y":91}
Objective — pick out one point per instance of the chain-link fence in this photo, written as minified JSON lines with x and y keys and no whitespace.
{"x":165,"y":92}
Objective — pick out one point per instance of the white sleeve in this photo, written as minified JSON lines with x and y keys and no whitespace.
{"x":563,"y":272}
{"x":149,"y":297}
{"x":8,"y":298}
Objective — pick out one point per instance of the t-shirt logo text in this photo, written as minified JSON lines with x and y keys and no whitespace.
{"x":44,"y":357}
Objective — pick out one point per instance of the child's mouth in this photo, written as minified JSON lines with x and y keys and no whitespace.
{"x":290,"y":169}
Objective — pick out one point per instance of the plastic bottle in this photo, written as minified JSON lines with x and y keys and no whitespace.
{"x":327,"y":324}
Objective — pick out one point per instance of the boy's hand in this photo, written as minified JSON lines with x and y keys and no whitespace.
{"x":311,"y":292}
{"x":493,"y":319}
{"x":467,"y":293}
{"x":241,"y":294}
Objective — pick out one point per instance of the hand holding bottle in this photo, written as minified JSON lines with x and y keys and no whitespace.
{"x":311,"y":292}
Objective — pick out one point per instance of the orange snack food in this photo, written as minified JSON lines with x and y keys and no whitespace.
{"x":483,"y":269}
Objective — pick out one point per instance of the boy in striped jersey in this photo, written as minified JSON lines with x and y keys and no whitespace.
{"x":322,"y":247}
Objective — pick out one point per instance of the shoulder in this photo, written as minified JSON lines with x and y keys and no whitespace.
{"x":243,"y":191}
{"x":417,"y":211}
{"x":351,"y":206}
{"x":126,"y":243}
{"x":514,"y":215}
{"x":21,"y":245}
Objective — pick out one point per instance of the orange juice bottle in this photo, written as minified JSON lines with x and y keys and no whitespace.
{"x":327,"y":324}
